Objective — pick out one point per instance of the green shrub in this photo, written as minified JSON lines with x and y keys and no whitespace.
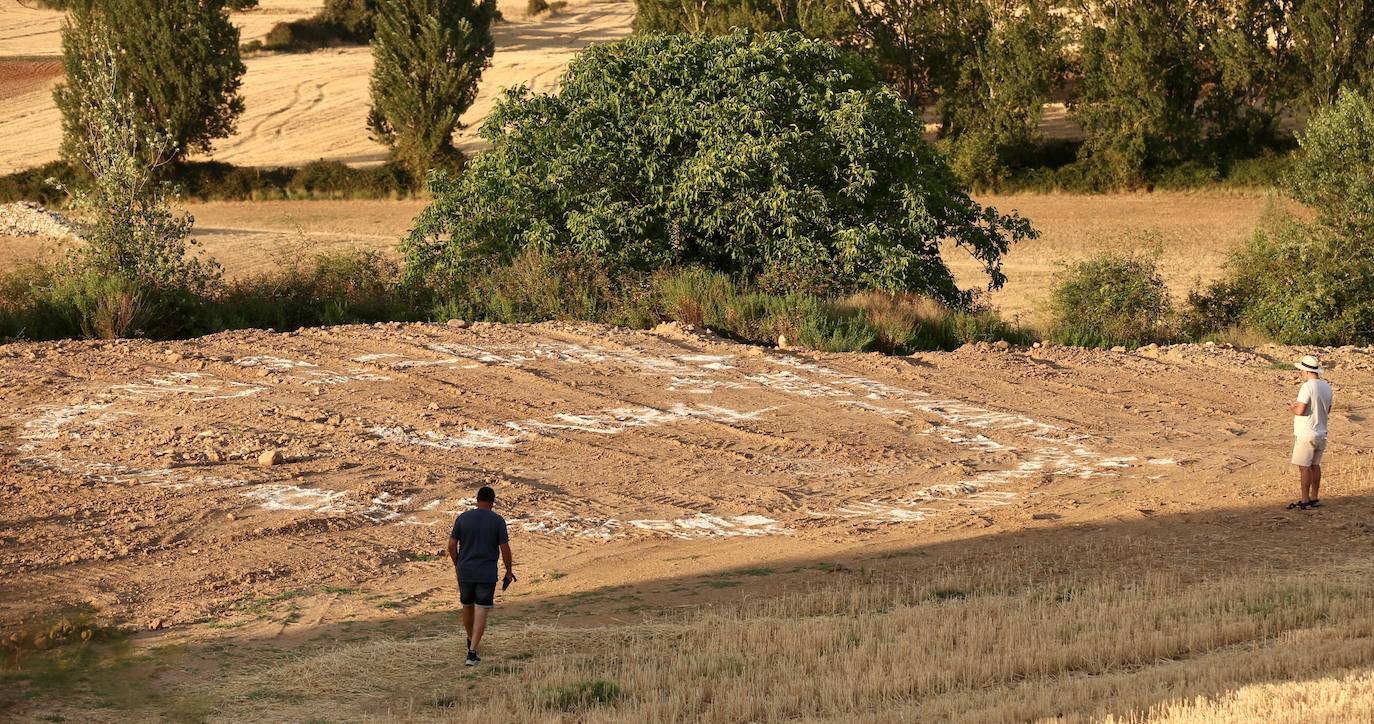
{"x":340,"y":22}
{"x":823,"y":19}
{"x":218,"y":181}
{"x":26,"y":307}
{"x":584,"y":695}
{"x":1110,"y":300}
{"x":779,"y":160}
{"x":1308,"y":283}
{"x":33,"y":184}
{"x":1295,"y":283}
{"x":536,"y":7}
{"x":1334,"y":170}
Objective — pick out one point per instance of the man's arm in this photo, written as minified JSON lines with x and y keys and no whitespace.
{"x":453,"y":550}
{"x":506,"y":558}
{"x":1299,"y":406}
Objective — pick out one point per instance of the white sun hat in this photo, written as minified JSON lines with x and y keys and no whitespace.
{"x":1308,"y":363}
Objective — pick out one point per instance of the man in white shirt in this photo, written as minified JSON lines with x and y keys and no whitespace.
{"x":1310,"y":411}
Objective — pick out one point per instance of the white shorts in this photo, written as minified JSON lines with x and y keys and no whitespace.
{"x":1307,"y":451}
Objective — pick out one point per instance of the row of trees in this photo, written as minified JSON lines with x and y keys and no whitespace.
{"x":1153,"y":82}
{"x":177,"y":64}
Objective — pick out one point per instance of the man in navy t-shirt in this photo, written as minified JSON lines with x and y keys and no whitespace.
{"x":477,"y":537}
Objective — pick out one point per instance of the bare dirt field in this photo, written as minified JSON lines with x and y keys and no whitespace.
{"x":646,"y":475}
{"x":302,"y":107}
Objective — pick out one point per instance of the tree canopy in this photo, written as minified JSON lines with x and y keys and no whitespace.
{"x":780,"y":159}
{"x":179,"y":60}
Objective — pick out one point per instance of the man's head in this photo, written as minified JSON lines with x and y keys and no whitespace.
{"x":486,"y":497}
{"x":1309,"y":367}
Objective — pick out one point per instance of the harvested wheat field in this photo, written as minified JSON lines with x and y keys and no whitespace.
{"x":704,"y":531}
{"x":299,"y":107}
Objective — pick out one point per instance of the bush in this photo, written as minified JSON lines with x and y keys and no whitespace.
{"x":1295,"y":283}
{"x":347,"y":287}
{"x":822,"y":19}
{"x":778,"y":160}
{"x":1309,"y":283}
{"x":340,"y":22}
{"x":1110,"y":300}
{"x":34,"y":184}
{"x":218,"y":181}
{"x":1334,"y":170}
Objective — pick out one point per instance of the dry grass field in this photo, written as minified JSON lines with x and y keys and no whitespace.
{"x":704,"y":531}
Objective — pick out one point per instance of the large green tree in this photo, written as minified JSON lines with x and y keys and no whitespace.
{"x":1145,"y":67}
{"x":990,"y":114}
{"x":1334,"y":44}
{"x":178,"y":58}
{"x":779,"y":159}
{"x":428,"y":56}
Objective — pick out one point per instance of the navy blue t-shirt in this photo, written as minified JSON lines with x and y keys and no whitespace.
{"x":480,"y":533}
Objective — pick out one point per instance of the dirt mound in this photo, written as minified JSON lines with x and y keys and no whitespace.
{"x":26,"y":218}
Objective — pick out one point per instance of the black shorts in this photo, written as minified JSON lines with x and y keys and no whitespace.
{"x":472,"y":593}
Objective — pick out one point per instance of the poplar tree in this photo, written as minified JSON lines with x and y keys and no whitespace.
{"x":428,"y":56}
{"x":179,"y":60}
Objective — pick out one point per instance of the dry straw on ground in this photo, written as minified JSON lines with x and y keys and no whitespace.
{"x":1038,"y":634}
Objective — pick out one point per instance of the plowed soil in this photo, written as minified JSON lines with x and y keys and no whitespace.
{"x":132,"y":480}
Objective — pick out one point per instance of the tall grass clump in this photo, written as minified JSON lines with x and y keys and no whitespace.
{"x":537,"y":287}
{"x":1110,"y":300}
{"x":348,"y":287}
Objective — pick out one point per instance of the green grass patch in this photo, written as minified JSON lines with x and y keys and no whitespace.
{"x":947,"y":594}
{"x":583,"y":695}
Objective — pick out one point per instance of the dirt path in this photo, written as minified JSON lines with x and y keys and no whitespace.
{"x":303,"y":107}
{"x":132,"y":481}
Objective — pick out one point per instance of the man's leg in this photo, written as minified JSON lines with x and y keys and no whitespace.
{"x":479,"y":626}
{"x":467,"y":621}
{"x":1316,"y":481}
{"x":485,"y":593}
{"x":1305,"y":480}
